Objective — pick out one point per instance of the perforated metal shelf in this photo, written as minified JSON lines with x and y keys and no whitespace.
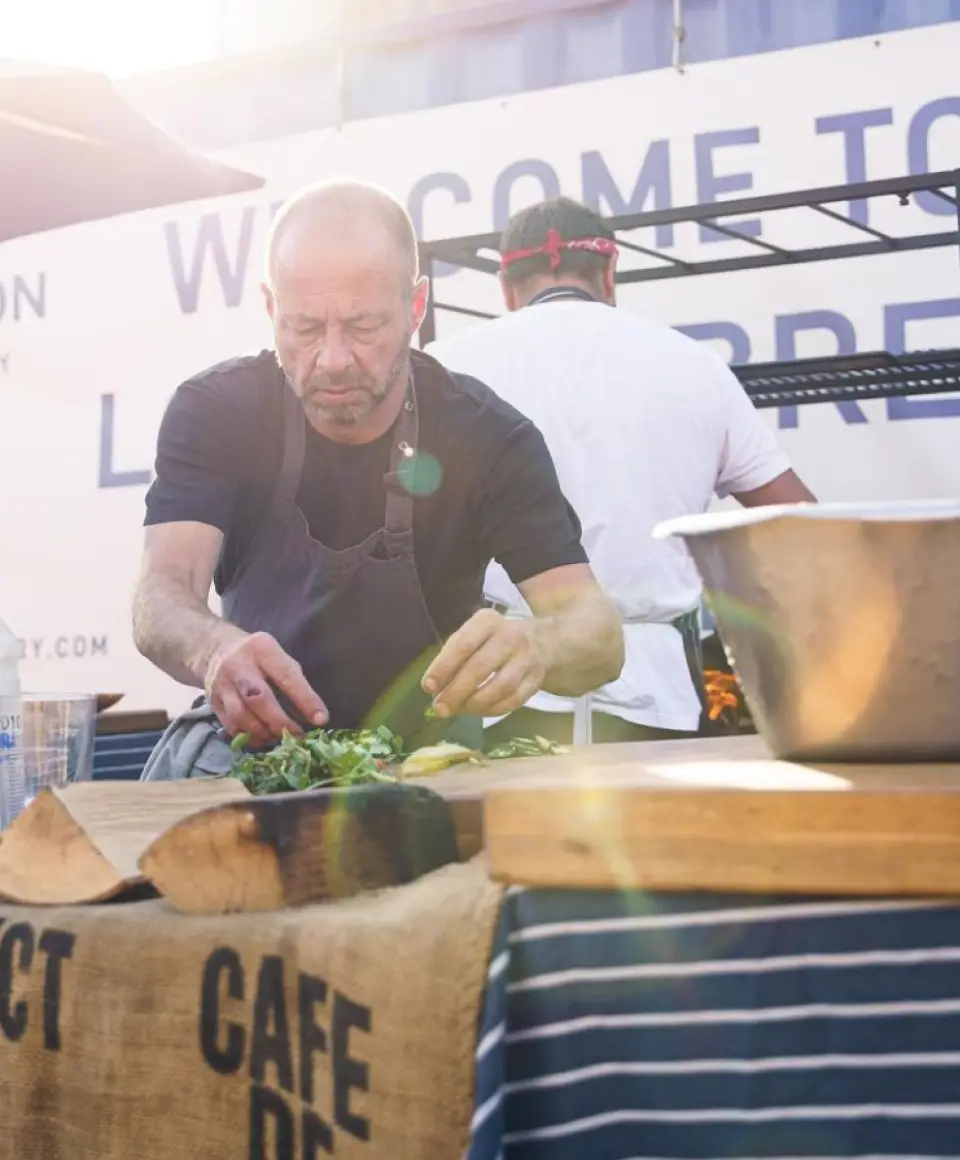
{"x":850,"y":378}
{"x":831,"y":380}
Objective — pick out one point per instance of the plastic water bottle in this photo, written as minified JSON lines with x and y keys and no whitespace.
{"x":12,"y":787}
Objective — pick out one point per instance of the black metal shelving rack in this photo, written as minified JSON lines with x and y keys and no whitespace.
{"x":827,"y":380}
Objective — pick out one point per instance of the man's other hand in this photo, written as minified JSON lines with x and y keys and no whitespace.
{"x":489,"y":667}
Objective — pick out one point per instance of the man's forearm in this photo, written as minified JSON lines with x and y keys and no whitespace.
{"x":583,"y":646}
{"x":177,"y":631}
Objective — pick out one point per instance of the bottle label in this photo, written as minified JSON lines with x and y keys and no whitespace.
{"x":9,"y":729}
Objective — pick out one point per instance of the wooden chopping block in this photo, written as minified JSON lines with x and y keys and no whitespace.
{"x":465,"y":787}
{"x":267,"y":853}
{"x":722,"y":815}
{"x":80,"y":844}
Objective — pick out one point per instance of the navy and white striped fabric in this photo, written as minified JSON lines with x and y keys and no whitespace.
{"x":706,"y":1027}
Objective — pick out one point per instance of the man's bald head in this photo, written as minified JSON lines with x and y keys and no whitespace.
{"x":345,"y":299}
{"x":342,"y":214}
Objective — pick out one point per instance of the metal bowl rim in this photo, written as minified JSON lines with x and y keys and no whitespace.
{"x":898,"y":512}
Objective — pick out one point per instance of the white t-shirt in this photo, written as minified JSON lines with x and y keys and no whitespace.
{"x":644,"y":424}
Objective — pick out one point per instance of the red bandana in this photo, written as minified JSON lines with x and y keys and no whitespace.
{"x":554,"y":246}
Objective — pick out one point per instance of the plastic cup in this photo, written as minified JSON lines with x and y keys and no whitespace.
{"x":57,"y":737}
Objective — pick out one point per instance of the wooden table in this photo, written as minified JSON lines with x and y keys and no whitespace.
{"x":714,"y":814}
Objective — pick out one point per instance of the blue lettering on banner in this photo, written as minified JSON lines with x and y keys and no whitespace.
{"x":601,"y":191}
{"x":231,"y":273}
{"x":895,"y":319}
{"x":897,"y":316}
{"x":854,"y":128}
{"x":788,"y":326}
{"x":451,"y":183}
{"x":109,"y":477}
{"x":710,"y":184}
{"x":541,"y":172}
{"x":21,"y":298}
{"x":190,"y":258}
{"x":918,"y":148}
{"x":735,"y":336}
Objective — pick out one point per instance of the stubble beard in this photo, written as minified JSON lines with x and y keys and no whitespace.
{"x":372,"y":395}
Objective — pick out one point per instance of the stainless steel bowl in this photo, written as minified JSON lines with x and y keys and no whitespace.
{"x":842,"y":622}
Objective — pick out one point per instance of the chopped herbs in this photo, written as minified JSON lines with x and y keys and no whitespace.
{"x":320,"y":759}
{"x":334,"y":758}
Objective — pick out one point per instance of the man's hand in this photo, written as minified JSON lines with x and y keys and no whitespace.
{"x":489,"y":667}
{"x":238,"y":686}
{"x":175,"y":628}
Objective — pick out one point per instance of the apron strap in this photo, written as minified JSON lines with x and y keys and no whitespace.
{"x":294,"y":446}
{"x":398,"y":516}
{"x":399,"y":480}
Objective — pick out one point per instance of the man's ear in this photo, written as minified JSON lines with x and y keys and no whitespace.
{"x":421,"y":296}
{"x":270,"y":300}
{"x":511,"y":299}
{"x":610,"y":280}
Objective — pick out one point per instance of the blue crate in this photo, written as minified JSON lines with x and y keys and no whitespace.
{"x":122,"y":756}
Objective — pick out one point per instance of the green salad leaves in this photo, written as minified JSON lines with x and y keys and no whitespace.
{"x":327,"y":758}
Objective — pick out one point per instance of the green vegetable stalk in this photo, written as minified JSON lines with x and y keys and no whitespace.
{"x":525,"y":747}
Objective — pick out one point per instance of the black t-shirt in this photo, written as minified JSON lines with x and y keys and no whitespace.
{"x":495,"y":491}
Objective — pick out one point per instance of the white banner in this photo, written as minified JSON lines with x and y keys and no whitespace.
{"x":98,"y":324}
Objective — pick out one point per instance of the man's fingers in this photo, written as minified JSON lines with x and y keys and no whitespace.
{"x":482,"y":666}
{"x":511,"y":702}
{"x":501,"y":687}
{"x":459,"y":648}
{"x":288,"y":676}
{"x":241,"y":687}
{"x":258,"y":699}
{"x":230,"y":711}
{"x":236,"y":718}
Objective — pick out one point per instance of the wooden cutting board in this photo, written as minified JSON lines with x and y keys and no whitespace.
{"x":717,"y":815}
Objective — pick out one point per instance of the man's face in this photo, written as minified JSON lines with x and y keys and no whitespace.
{"x":344,"y":309}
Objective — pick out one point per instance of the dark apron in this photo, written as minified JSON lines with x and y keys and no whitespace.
{"x":356,"y":620}
{"x":688,"y":625}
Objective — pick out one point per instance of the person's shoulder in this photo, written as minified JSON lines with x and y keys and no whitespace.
{"x":478,"y":335}
{"x":492,"y":347}
{"x":682,"y":364}
{"x":461,"y":400}
{"x":235,"y":396}
{"x":639,"y":328}
{"x":248,"y":376}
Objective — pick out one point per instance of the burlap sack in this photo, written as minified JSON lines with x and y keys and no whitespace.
{"x":130,"y":1031}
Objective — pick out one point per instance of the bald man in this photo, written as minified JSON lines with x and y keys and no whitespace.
{"x":345,"y":495}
